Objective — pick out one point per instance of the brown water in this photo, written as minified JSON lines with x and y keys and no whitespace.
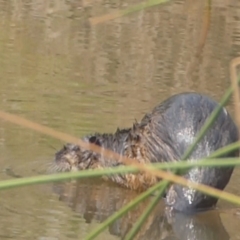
{"x":62,"y":68}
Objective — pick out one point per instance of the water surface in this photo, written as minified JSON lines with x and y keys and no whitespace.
{"x":61,"y":68}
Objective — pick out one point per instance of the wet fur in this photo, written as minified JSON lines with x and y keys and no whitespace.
{"x":162,"y":135}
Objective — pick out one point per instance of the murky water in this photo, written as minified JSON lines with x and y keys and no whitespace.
{"x":62,"y":67}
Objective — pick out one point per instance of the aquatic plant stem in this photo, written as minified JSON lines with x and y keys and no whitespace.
{"x":162,"y":187}
{"x":209,"y":122}
{"x":121,"y":212}
{"x":20,"y":182}
{"x":131,"y":234}
{"x":224,"y":150}
{"x":121,"y":13}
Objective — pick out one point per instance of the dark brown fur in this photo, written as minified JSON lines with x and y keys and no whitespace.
{"x":162,"y":135}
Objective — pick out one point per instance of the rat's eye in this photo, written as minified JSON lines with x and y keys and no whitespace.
{"x":94,"y":140}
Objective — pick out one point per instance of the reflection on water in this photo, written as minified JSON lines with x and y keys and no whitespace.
{"x":96,"y":201}
{"x":59,"y":69}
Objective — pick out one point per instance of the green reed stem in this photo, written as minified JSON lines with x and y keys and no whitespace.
{"x":224,"y":150}
{"x":132,"y":204}
{"x":200,"y":135}
{"x":13,"y":183}
{"x":210,"y":120}
{"x":130,"y":10}
{"x":145,"y":214}
{"x":142,"y":6}
{"x":208,"y":123}
{"x":186,"y":165}
{"x":20,"y":182}
{"x":162,"y":186}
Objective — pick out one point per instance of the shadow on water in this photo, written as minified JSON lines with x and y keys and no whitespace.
{"x":94,"y":200}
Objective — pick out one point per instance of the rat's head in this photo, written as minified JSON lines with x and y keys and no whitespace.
{"x":72,"y":158}
{"x":68,"y":158}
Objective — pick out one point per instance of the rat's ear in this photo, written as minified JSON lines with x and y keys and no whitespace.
{"x":94,"y":140}
{"x":135,"y":133}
